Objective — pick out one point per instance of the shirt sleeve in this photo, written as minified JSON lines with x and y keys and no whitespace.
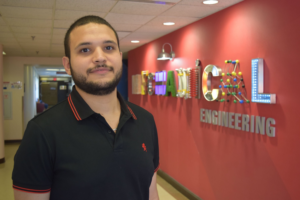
{"x":156,"y":148}
{"x":33,"y":168}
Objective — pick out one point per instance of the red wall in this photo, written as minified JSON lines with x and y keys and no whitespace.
{"x":217,"y":162}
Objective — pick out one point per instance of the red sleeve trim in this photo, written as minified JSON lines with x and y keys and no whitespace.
{"x":31,"y":190}
{"x":157,"y":168}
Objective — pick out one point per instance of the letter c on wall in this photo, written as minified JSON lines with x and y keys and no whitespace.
{"x":209,"y":93}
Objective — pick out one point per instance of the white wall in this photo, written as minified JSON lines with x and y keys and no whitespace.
{"x":14,"y":71}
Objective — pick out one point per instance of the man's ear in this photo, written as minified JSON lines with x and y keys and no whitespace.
{"x":121,"y":53}
{"x":66,"y":63}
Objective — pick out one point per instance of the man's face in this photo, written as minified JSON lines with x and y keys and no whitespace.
{"x":95,"y":60}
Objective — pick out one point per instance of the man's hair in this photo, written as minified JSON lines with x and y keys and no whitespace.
{"x":82,"y":21}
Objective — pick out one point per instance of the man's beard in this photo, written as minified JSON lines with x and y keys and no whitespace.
{"x":96,"y":88}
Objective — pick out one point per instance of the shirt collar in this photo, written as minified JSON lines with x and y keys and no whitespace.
{"x":82,"y":110}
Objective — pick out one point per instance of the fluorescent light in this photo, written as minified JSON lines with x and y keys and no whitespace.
{"x":135,"y":41}
{"x":169,"y":23}
{"x":52,"y":69}
{"x":210,"y":2}
{"x":3,"y":53}
{"x":62,"y":70}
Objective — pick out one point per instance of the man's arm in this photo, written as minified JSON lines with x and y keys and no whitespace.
{"x":153,"y":194}
{"x":19,"y":195}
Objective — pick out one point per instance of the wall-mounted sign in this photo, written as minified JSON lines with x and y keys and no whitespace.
{"x":6,"y":85}
{"x":16,"y":85}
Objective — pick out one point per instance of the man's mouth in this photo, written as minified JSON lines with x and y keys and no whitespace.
{"x":100,"y":70}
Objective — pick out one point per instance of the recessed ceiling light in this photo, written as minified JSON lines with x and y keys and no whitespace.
{"x":135,"y":41}
{"x":210,"y":2}
{"x":169,"y":23}
{"x":3,"y":53}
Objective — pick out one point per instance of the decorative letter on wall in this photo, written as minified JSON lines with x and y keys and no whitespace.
{"x":136,"y":84}
{"x":150,"y":85}
{"x":144,"y":82}
{"x":171,"y":87}
{"x":160,"y":83}
{"x":258,"y":95}
{"x":209,"y":93}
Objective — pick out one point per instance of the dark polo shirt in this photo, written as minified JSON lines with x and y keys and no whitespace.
{"x":72,"y":152}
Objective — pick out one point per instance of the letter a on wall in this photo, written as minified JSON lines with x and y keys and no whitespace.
{"x":171,"y":87}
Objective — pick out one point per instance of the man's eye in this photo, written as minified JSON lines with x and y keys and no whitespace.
{"x":85,"y":50}
{"x":109,"y":48}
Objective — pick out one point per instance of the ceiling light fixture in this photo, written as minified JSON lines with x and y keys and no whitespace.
{"x":135,"y":41}
{"x":169,"y":23}
{"x":52,"y":69}
{"x":210,"y":2}
{"x":3,"y":53}
{"x":166,"y":56}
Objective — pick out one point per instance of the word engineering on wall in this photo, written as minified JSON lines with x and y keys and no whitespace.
{"x":244,"y":122}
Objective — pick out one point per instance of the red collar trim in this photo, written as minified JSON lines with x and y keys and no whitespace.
{"x":133,"y":115}
{"x":73,"y":108}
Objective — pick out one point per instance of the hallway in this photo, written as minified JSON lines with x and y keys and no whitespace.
{"x":165,"y":190}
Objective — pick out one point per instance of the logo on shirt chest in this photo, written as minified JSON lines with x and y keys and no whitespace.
{"x":144,"y":147}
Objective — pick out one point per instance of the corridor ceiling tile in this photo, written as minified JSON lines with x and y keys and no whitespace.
{"x":28,"y":3}
{"x":6,"y":35}
{"x":26,"y":13}
{"x":86,"y":5}
{"x":36,"y":41}
{"x":122,"y":34}
{"x":74,"y":14}
{"x":179,"y":21}
{"x":139,"y":8}
{"x":38,"y":23}
{"x":9,"y":41}
{"x":128,"y":19}
{"x":2,"y":22}
{"x":159,"y":29}
{"x":58,"y":37}
{"x":14,"y":52}
{"x":28,"y":36}
{"x":11,"y":46}
{"x":59,"y":31}
{"x":57,"y":41}
{"x":222,"y":3}
{"x":31,"y":30}
{"x":4,"y":29}
{"x":125,"y":27}
{"x":57,"y":47}
{"x":191,"y":11}
{"x":62,"y":23}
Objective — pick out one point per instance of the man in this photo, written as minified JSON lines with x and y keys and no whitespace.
{"x":93,"y":145}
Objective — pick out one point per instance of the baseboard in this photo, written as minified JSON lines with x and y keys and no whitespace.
{"x":2,"y":160}
{"x":12,"y":141}
{"x":183,"y":190}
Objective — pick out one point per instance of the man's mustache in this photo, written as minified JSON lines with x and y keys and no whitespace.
{"x":99,"y":66}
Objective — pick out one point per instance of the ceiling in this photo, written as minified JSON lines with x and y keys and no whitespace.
{"x":48,"y":21}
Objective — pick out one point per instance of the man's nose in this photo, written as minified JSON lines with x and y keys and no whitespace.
{"x":99,"y":56}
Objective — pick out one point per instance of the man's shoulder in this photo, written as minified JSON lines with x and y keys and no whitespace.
{"x":54,"y":114}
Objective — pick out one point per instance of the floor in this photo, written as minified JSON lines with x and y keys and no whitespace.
{"x":165,"y":190}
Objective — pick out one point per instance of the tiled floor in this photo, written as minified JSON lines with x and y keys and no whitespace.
{"x":165,"y":190}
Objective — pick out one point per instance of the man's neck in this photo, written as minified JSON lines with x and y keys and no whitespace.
{"x":104,"y":105}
